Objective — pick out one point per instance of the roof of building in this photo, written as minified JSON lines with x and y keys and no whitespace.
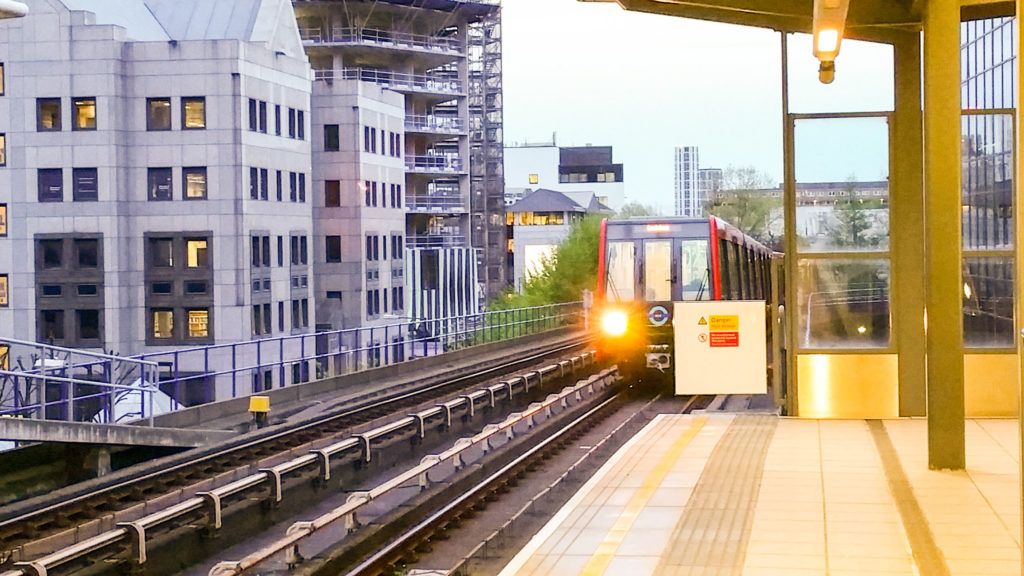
{"x":268,"y":21}
{"x":544,"y":200}
{"x":589,"y":201}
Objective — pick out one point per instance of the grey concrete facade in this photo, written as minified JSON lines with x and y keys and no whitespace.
{"x":135,"y":172}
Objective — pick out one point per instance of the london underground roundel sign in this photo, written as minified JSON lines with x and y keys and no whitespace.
{"x":658,"y":315}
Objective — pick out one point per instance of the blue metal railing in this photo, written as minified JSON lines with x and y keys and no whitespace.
{"x":67,"y":384}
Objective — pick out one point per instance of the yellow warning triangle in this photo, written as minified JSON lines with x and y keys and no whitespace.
{"x":703,"y":322}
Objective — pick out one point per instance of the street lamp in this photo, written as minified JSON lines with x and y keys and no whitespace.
{"x":12,"y":9}
{"x":829,"y":21}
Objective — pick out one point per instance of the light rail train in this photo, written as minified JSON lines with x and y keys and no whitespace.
{"x":647,"y":264}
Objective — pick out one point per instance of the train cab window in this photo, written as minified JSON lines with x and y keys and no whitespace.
{"x":621,"y":267}
{"x":658,"y":270}
{"x":695,"y":276}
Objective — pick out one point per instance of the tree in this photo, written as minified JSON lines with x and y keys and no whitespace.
{"x":564,"y":276}
{"x":746,"y":201}
{"x":854,"y":222}
{"x":632,"y":209}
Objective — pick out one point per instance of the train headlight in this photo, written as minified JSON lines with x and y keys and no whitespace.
{"x":614,"y":323}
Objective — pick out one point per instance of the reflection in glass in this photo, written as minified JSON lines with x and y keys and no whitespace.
{"x":843,"y":303}
{"x":621,"y":256}
{"x":987,"y":154}
{"x":658,"y":270}
{"x":695,"y":269}
{"x":988,"y":301}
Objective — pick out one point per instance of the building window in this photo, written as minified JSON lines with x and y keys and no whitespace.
{"x":5,"y":300}
{"x":277,"y":119}
{"x":3,"y":150}
{"x":255,"y":255}
{"x":302,"y":186}
{"x":257,"y":319}
{"x":534,"y":178}
{"x":3,"y":219}
{"x":199,"y":323}
{"x":51,"y":185}
{"x":291,"y":122}
{"x":194,"y":182}
{"x":159,"y":184}
{"x":85,"y":114}
{"x":303,"y":251}
{"x":293,"y":179}
{"x":264,"y":184}
{"x":1,"y":78}
{"x":48,"y":115}
{"x":254,"y":183}
{"x":162,"y":252}
{"x":52,"y":253}
{"x":301,"y":121}
{"x":51,"y":325}
{"x":195,"y":287}
{"x":266,"y":251}
{"x":87,"y":289}
{"x":332,"y":138}
{"x":279,"y":186}
{"x":334,"y":248}
{"x":332,"y":193}
{"x":163,"y":323}
{"x":197,"y":253}
{"x":280,"y":316}
{"x":158,"y":113}
{"x":280,"y":250}
{"x":83,"y":185}
{"x":263,"y":116}
{"x":88,"y":324}
{"x":88,"y":252}
{"x":193,"y":113}
{"x":253,"y":122}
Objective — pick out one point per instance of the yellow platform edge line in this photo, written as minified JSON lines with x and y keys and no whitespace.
{"x":602,"y":558}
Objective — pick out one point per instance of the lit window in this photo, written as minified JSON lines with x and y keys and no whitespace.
{"x":48,"y":114}
{"x":195,"y":183}
{"x":3,"y":150}
{"x":4,"y":299}
{"x":198,"y":323}
{"x":193,"y":113}
{"x":85,"y":114}
{"x":158,"y":113}
{"x":163,"y":323}
{"x":534,"y":179}
{"x":197,"y":253}
{"x":3,"y":219}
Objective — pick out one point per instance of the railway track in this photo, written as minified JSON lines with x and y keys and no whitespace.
{"x":395,"y":556}
{"x":114,"y":518}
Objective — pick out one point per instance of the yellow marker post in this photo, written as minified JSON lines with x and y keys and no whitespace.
{"x":259,"y":407}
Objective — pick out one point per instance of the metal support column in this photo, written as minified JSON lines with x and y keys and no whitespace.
{"x":907,"y":229}
{"x":944,"y":320}
{"x":1018,"y":259}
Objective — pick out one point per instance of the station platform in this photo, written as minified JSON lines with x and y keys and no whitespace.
{"x":755,"y":494}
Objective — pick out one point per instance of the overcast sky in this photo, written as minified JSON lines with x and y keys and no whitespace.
{"x":595,"y":74}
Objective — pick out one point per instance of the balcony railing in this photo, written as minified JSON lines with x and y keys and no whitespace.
{"x":437,"y":241}
{"x":398,"y":81}
{"x":379,"y":37}
{"x":436,"y":203}
{"x":434,"y":123}
{"x":433,"y":163}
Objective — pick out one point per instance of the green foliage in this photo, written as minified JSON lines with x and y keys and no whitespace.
{"x":746,"y":201}
{"x":632,"y":209}
{"x":563,"y":277}
{"x":853,"y":221}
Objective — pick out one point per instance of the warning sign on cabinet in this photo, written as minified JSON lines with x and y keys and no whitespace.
{"x":720,"y":347}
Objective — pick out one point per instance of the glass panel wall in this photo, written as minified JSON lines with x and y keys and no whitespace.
{"x":842,"y":231}
{"x":987,"y":126}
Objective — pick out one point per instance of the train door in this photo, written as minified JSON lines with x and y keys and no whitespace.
{"x":657,"y":273}
{"x":621,"y":274}
{"x":694,"y":270}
